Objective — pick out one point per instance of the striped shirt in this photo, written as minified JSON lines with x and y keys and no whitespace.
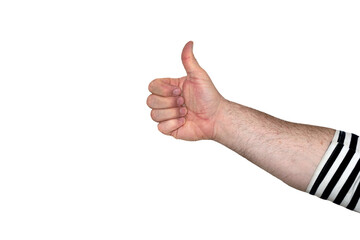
{"x":337,"y":176}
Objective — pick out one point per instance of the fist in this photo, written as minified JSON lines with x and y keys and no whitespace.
{"x":186,"y":108}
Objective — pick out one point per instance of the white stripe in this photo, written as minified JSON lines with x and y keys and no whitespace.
{"x":336,"y":136}
{"x":351,"y":191}
{"x":344,"y":176}
{"x":357,"y":207}
{"x":331,"y":172}
{"x":347,"y":139}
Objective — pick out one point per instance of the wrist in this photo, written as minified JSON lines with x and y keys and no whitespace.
{"x":223,"y":120}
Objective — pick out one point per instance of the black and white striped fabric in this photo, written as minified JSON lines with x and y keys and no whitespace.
{"x":337,"y":176}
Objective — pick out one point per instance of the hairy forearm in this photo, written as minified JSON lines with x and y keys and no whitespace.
{"x":289,"y":151}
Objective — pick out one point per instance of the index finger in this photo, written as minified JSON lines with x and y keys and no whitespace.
{"x":165,"y":87}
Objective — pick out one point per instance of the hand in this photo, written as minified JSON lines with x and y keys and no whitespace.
{"x":186,"y":108}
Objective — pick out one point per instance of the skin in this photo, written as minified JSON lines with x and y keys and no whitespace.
{"x":190,"y":108}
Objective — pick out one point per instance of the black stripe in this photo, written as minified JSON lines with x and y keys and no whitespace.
{"x":341,"y":138}
{"x":354,"y":141}
{"x":349,"y":182}
{"x":327,"y":167}
{"x":337,"y":175}
{"x":354,"y":199}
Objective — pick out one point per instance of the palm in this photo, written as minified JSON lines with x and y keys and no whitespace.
{"x":199,"y":97}
{"x":202,"y":101}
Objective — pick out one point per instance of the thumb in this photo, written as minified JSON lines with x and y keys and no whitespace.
{"x":188,"y":59}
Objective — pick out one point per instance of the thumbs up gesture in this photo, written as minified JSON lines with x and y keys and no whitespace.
{"x":189,"y":107}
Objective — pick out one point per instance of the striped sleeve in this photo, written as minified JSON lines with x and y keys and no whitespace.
{"x":337,"y":176}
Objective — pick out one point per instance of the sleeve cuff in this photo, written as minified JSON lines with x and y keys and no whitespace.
{"x":337,"y":176}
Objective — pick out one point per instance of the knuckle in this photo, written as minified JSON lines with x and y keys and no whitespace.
{"x":174,"y":134}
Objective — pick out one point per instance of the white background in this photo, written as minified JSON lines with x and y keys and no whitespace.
{"x":80,"y":157}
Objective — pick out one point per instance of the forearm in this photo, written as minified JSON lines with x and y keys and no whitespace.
{"x":289,"y":151}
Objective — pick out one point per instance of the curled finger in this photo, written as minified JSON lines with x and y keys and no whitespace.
{"x":158,"y":102}
{"x":165,"y":87}
{"x":168,"y":126}
{"x":159,"y":115}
